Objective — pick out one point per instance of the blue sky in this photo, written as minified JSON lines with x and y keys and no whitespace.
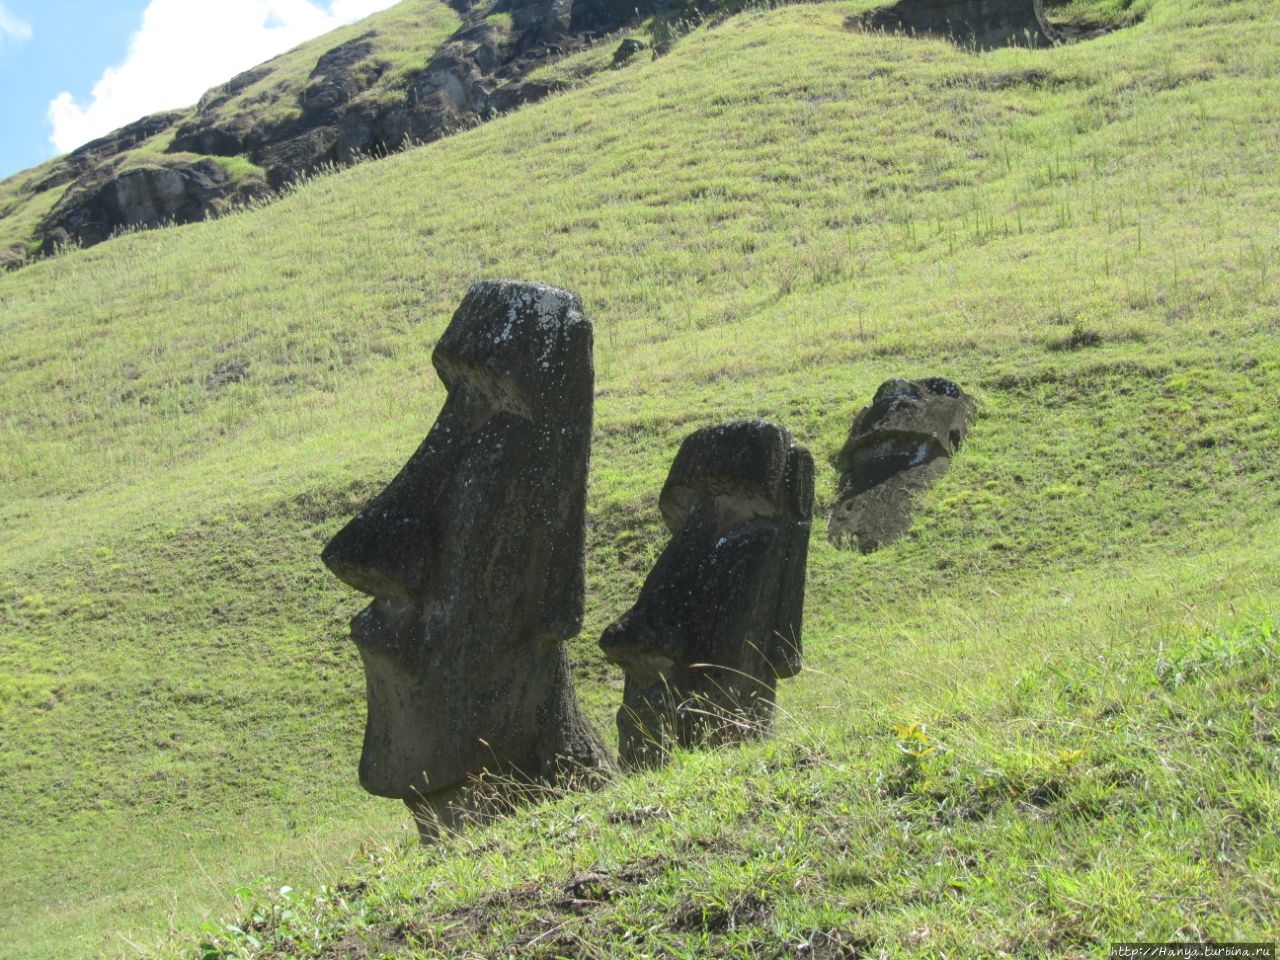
{"x":72,"y":70}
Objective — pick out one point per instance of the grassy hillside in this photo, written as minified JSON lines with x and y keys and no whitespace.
{"x":267,"y":97}
{"x":768,"y":221}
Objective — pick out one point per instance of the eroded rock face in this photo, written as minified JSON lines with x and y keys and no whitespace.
{"x":627,"y":49}
{"x":984,"y":24}
{"x":339,"y":75}
{"x":12,"y":257}
{"x":93,"y":154}
{"x":473,"y":556}
{"x":175,"y":192}
{"x":480,"y":71}
{"x":347,"y":110}
{"x":718,"y":620}
{"x":898,"y":447}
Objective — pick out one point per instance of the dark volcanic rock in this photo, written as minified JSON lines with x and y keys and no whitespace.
{"x":983,"y":24}
{"x":627,"y":49}
{"x":718,"y":619}
{"x":473,"y":555}
{"x":286,"y":160}
{"x":97,"y":152}
{"x":483,"y":70}
{"x":339,"y":75}
{"x":232,"y":88}
{"x":454,"y":90}
{"x":898,"y":447}
{"x":213,"y":141}
{"x":178,"y":192}
{"x":605,"y":16}
{"x":11,"y":258}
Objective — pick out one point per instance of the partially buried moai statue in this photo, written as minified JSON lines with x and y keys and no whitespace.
{"x":898,"y":447}
{"x":976,"y":24}
{"x":718,"y":620}
{"x":473,"y":555}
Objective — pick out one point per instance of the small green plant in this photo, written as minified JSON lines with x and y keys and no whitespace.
{"x":913,"y":742}
{"x":282,"y":922}
{"x":1216,"y":651}
{"x":915,"y":748}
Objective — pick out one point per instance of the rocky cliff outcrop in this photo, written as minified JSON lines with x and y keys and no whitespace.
{"x":343,"y":111}
{"x":89,"y":157}
{"x":108,"y":199}
{"x":352,"y":104}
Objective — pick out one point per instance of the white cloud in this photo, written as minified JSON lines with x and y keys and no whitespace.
{"x":182,"y":49}
{"x":18,"y":30}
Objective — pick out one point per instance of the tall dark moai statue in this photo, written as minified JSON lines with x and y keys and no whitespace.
{"x":898,"y":447}
{"x":984,"y":24}
{"x":718,"y":620}
{"x":473,"y":555}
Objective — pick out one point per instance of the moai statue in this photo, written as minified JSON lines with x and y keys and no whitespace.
{"x":982,"y":24}
{"x":473,"y":556}
{"x":897,"y":448}
{"x":717,"y":621}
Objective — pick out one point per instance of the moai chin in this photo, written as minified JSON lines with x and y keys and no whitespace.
{"x":473,"y":555}
{"x":718,"y":620}
{"x":898,"y":447}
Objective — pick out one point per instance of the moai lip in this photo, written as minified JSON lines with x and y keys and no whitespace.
{"x":898,"y":447}
{"x":473,"y":555}
{"x":718,"y":621}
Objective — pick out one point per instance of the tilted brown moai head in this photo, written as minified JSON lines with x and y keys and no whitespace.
{"x":898,"y":447}
{"x":718,"y":620}
{"x":473,"y":555}
{"x":984,"y":24}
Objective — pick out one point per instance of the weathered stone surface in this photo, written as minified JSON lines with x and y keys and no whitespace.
{"x":474,"y":557}
{"x":898,"y":447}
{"x":604,"y":16}
{"x":177,"y":191}
{"x":213,"y":140}
{"x":287,"y":159}
{"x":984,"y":24}
{"x":95,"y":153}
{"x":291,"y":129}
{"x":220,"y":94}
{"x":12,"y":257}
{"x":627,"y":49}
{"x":339,"y":75}
{"x":479,"y":72}
{"x":718,"y":620}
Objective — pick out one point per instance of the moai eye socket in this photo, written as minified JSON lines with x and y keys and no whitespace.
{"x":484,"y":390}
{"x":736,"y":470}
{"x":738,"y":507}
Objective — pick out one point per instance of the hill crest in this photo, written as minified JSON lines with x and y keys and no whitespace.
{"x":409,"y":75}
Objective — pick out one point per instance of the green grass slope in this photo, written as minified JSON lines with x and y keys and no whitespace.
{"x":769,"y":221}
